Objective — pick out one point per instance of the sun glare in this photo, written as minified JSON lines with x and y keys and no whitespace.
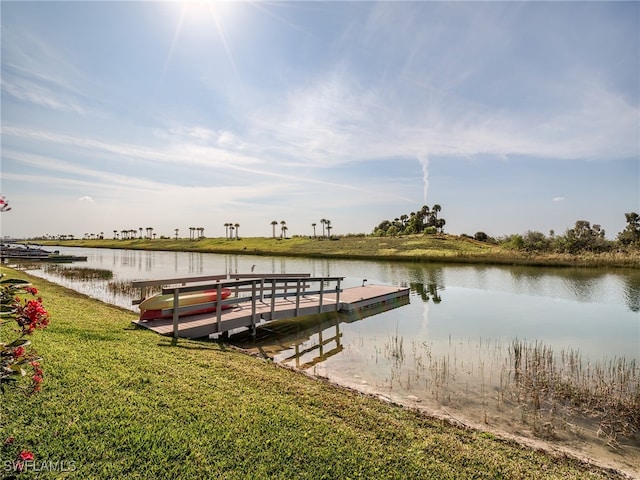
{"x":204,"y":15}
{"x":198,"y":11}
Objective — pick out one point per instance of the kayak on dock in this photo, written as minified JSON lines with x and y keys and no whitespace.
{"x":159,"y":306}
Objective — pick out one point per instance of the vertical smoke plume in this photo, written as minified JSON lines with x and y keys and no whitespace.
{"x":423,"y":158}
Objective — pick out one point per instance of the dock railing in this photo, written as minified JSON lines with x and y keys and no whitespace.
{"x":248,"y":288}
{"x":184,"y":281}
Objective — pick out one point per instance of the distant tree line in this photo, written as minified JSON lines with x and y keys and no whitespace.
{"x":583,"y":237}
{"x":424,"y":220}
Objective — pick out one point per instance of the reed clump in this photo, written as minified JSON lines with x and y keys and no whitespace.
{"x":607,"y":392}
{"x":78,"y":273}
{"x":123,"y":287}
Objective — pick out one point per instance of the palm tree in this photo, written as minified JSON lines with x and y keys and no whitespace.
{"x":231,"y":228}
{"x":115,"y":234}
{"x":284,"y":231}
{"x":440,"y":224}
{"x":283,"y":226}
{"x":273,"y":225}
{"x":329,"y":227}
{"x":237,"y":226}
{"x":226,"y":230}
{"x":423,"y":214}
{"x":177,"y":230}
{"x":435,"y":209}
{"x":314,"y":229}
{"x":323,"y":221}
{"x":140,"y":228}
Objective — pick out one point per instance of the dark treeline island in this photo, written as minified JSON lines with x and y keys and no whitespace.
{"x":583,"y":237}
{"x":417,"y":236}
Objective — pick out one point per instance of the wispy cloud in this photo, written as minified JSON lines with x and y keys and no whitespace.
{"x":42,"y":96}
{"x":330,"y":105}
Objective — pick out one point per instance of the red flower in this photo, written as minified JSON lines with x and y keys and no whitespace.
{"x":31,"y":315}
{"x":31,"y":290}
{"x":26,"y":456}
{"x":18,"y":352}
{"x":4,"y":205}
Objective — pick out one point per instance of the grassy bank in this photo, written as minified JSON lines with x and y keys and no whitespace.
{"x":417,"y":248}
{"x":122,"y":402}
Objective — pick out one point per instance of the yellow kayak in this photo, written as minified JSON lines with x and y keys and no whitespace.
{"x":161,"y":302}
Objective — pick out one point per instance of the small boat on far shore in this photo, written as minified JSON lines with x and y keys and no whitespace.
{"x":19,"y":252}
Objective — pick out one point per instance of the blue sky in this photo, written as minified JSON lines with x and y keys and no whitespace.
{"x":511,"y":116}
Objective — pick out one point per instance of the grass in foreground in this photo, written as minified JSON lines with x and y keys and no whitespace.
{"x":122,"y":402}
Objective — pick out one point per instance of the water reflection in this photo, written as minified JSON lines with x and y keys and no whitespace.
{"x":632,"y":292}
{"x":430,"y":292}
{"x":308,"y":341}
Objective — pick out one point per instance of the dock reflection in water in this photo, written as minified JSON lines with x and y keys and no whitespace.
{"x":307,"y":341}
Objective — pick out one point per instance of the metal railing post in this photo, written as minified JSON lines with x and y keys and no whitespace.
{"x":176,"y":314}
{"x":298,"y":297}
{"x":253,"y":308}
{"x":218,"y":306}
{"x":273,"y":297}
{"x":321,"y":296}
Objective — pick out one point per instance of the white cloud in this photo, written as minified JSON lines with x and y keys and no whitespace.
{"x":558,"y":199}
{"x":86,"y":199}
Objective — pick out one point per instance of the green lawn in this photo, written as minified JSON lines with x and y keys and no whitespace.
{"x":122,"y":402}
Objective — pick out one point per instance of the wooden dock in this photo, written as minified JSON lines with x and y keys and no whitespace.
{"x":260,"y":299}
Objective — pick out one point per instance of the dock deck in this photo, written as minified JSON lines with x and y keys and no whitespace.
{"x":258,"y":307}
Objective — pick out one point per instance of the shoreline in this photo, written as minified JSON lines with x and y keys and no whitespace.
{"x":547,"y":447}
{"x":411,"y":248}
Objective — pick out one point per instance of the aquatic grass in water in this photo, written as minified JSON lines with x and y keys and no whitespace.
{"x":548,"y":391}
{"x":608,"y":391}
{"x":78,"y":273}
{"x":124,"y":287}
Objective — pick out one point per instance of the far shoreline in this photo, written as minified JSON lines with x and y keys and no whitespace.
{"x":440,"y":248}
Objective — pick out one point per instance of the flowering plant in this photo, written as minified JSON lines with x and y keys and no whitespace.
{"x":16,"y":357}
{"x":4,"y":205}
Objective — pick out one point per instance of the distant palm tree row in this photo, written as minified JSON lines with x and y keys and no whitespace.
{"x":229,"y":228}
{"x":197,"y":233}
{"x":283,"y":228}
{"x":424,"y":220}
{"x":132,"y":234}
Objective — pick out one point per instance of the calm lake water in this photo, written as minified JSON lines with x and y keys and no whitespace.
{"x":450,"y":349}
